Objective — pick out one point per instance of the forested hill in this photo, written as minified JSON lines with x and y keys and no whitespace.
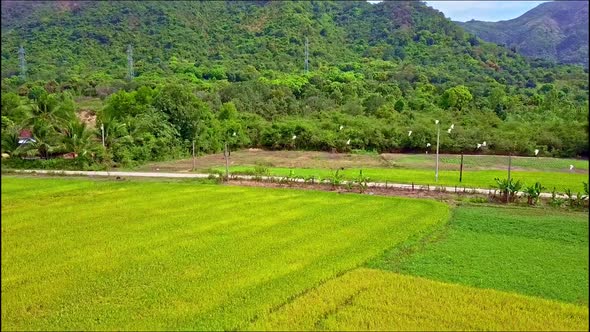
{"x":379,"y":70}
{"x":556,"y":30}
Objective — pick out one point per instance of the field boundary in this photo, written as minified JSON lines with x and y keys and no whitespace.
{"x":403,"y":186}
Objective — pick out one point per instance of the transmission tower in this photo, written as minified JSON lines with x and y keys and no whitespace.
{"x":129,"y":62}
{"x":21,"y":60}
{"x":306,"y":55}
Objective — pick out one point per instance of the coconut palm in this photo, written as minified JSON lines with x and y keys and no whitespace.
{"x":76,"y":138}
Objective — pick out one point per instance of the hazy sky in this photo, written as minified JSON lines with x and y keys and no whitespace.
{"x":482,"y":10}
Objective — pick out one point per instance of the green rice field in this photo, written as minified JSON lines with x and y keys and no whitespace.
{"x":471,"y":179}
{"x":535,"y":252}
{"x":83,"y":254}
{"x":80,"y":254}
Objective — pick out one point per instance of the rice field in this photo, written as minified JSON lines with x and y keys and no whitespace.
{"x":97,"y":254}
{"x":471,"y":179}
{"x":536,"y":252}
{"x":366,"y":299}
{"x":117,"y":255}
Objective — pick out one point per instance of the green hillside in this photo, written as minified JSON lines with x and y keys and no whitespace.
{"x":556,"y":30}
{"x":203,"y":70}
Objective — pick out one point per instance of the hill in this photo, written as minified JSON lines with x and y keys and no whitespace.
{"x":203,"y":70}
{"x":556,"y":30}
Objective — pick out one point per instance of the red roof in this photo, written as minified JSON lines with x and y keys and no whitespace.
{"x":25,"y":133}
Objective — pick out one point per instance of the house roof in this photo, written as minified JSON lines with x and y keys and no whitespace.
{"x":25,"y":133}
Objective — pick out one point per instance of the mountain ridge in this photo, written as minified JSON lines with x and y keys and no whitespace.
{"x":556,"y":30}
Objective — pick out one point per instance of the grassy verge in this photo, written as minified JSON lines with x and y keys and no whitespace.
{"x":366,"y":299}
{"x":471,"y":179}
{"x":530,"y":251}
{"x":137,"y":255}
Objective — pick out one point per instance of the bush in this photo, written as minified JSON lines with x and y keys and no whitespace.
{"x":533,"y":192}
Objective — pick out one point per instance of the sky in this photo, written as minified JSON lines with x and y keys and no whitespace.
{"x":491,"y":11}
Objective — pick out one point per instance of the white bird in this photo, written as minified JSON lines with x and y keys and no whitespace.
{"x":409,"y":133}
{"x":536,"y":152}
{"x":435,"y":121}
{"x":449,"y":131}
{"x":427,"y":145}
{"x":484,"y":143}
{"x":478,"y":145}
{"x":348,"y":142}
{"x":571,"y":167}
{"x":234,"y":134}
{"x":341,"y":127}
{"x":294,"y":136}
{"x":453,"y":126}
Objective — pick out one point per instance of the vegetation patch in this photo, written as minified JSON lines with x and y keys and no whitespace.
{"x":472,"y":179}
{"x":536,"y":252}
{"x":366,"y":299}
{"x":139,"y":255}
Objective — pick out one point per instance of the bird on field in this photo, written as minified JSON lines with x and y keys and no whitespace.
{"x":536,"y":152}
{"x":571,"y":167}
{"x":478,"y":145}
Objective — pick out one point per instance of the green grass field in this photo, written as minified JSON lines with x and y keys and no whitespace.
{"x":366,"y":299}
{"x":107,"y":255}
{"x":536,"y":252}
{"x":471,"y":179}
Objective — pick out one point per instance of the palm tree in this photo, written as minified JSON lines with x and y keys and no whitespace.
{"x":49,"y":109}
{"x":76,"y":138}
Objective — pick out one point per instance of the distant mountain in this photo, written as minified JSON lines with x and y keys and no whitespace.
{"x":556,"y":30}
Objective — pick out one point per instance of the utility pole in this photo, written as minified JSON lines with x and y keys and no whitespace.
{"x":193,"y":155}
{"x":129,"y":62}
{"x":226,"y":155}
{"x":437,"y":145}
{"x":102,"y":131}
{"x":509,"y":165}
{"x":22,"y":63}
{"x":306,"y":55}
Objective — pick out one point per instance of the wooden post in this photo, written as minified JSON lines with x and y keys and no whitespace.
{"x":225,"y":154}
{"x":461,"y":169}
{"x":193,"y":155}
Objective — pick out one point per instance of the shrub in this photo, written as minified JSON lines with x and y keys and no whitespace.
{"x":508,"y":188}
{"x":533,"y":192}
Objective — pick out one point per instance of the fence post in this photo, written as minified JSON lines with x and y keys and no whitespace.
{"x":461,"y":169}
